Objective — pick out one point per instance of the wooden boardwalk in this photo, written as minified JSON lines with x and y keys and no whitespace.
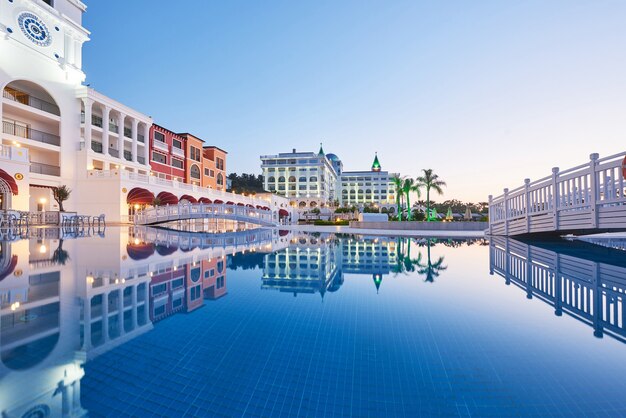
{"x":587,"y":198}
{"x":196,"y":211}
{"x":587,"y":289}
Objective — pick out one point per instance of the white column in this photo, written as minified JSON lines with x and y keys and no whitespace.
{"x":105,"y":316}
{"x":120,"y":307}
{"x":120,"y":133}
{"x":146,"y":143}
{"x":105,"y":129}
{"x":135,"y":124}
{"x":87,"y":323}
{"x":134,"y":307}
{"x":88,"y":103}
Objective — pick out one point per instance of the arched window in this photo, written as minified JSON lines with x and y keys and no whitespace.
{"x":194,"y":171}
{"x":313,"y":204}
{"x":313,"y":178}
{"x":302,"y":179}
{"x":292,"y":179}
{"x":368,"y":191}
{"x":271,"y":179}
{"x":281,"y":179}
{"x":302,"y":204}
{"x":220,"y":179}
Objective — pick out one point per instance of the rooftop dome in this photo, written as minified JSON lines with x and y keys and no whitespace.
{"x":332,"y":157}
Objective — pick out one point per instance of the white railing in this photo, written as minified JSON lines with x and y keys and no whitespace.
{"x":160,"y":145}
{"x":589,"y":196}
{"x":10,"y":152}
{"x":186,"y":211}
{"x":175,"y":186}
{"x":178,"y":151}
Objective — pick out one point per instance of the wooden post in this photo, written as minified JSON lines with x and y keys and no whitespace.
{"x":490,"y":215}
{"x":593,"y":195}
{"x":506,"y":212}
{"x":555,"y":198}
{"x":527,"y":210}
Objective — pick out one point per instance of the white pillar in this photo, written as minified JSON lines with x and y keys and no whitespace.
{"x":105,"y":316}
{"x":146,"y":143}
{"x":87,"y":323}
{"x":120,"y":133}
{"x":120,"y":307}
{"x":134,"y":307}
{"x":135,"y":124}
{"x":88,"y":103}
{"x":105,"y":129}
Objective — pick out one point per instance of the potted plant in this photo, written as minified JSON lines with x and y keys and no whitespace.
{"x":61,"y":194}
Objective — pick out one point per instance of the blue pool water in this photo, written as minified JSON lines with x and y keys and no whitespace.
{"x":269,"y":323}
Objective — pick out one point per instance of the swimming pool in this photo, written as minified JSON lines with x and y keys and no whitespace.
{"x":147,"y":322}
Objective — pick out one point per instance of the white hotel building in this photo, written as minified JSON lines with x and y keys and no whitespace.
{"x":312,"y":180}
{"x":57,"y":131}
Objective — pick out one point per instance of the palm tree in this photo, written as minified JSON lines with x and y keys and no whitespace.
{"x":431,"y":270}
{"x":61,"y":194}
{"x":409,"y":185}
{"x":430,"y":181}
{"x":397,"y":184}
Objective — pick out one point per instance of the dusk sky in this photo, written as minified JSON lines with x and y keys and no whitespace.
{"x":486,"y":93}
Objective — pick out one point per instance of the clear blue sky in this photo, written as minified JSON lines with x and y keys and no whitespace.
{"x":484,"y":92}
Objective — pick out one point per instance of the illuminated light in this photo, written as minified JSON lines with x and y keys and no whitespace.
{"x":42,"y":249}
{"x":90,"y":167}
{"x":90,"y":279}
{"x":18,"y":145}
{"x":15,"y":306}
{"x":123,"y":280}
{"x":43,"y":200}
{"x":174,"y":268}
{"x":117,"y":281}
{"x":151,"y":274}
{"x":137,"y":206}
{"x":137,"y":241}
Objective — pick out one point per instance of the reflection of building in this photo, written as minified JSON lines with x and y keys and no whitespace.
{"x":317,"y":263}
{"x":311,"y":180}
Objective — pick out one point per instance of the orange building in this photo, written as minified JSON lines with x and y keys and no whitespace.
{"x":193,"y":166}
{"x":214,"y":173}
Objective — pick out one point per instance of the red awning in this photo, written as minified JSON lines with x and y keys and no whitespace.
{"x":259,"y":207}
{"x":167,"y":198}
{"x":250,"y":206}
{"x":240,"y":204}
{"x":282,"y":233}
{"x":9,"y":268}
{"x":139,"y":196}
{"x":188,"y":198}
{"x":217,"y":201}
{"x":139,"y":251}
{"x":283,"y":213}
{"x":165,"y":250}
{"x":10,"y":181}
{"x":204,"y":200}
{"x":230,"y":203}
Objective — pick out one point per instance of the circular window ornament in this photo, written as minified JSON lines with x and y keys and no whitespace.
{"x":19,"y":176}
{"x":34,"y":29}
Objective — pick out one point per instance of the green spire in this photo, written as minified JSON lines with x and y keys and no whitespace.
{"x":376,"y":163}
{"x":378,"y":278}
{"x":321,"y":151}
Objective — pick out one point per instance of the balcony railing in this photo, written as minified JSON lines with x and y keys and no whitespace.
{"x":178,"y":151}
{"x":28,"y":100}
{"x":114,"y":153}
{"x":128,"y":155}
{"x":140,"y":138}
{"x":128,"y":133}
{"x":160,"y":145}
{"x":96,"y":146}
{"x":113,"y":128}
{"x":47,"y":169}
{"x":13,"y":128}
{"x":141,"y":160}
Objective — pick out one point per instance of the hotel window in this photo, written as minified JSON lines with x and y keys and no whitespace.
{"x":292,"y":179}
{"x":281,"y":179}
{"x":158,"y":136}
{"x":159,"y":158}
{"x":194,"y":172}
{"x":220,"y":282}
{"x":220,"y":180}
{"x":271,"y":179}
{"x":177,"y":163}
{"x":195,"y":292}
{"x":159,"y":288}
{"x":206,"y":172}
{"x":177,"y":144}
{"x":177,"y":283}
{"x":177,"y":303}
{"x":211,"y":173}
{"x":313,"y":178}
{"x":219,"y":163}
{"x":159,"y":310}
{"x":195,"y":153}
{"x":302,"y":179}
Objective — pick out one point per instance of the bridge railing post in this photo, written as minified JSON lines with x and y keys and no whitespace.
{"x":555,"y":198}
{"x":527,"y":203}
{"x":490,"y":214}
{"x":593,"y":195}
{"x":506,"y":212}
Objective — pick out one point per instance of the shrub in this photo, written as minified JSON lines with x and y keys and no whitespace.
{"x":331,"y":223}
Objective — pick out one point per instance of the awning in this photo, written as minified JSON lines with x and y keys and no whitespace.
{"x":250,"y":206}
{"x":217,"y":201}
{"x":259,"y":207}
{"x":283,"y":213}
{"x":282,"y":232}
{"x":9,"y":268}
{"x":139,"y":196}
{"x":167,"y":198}
{"x":139,"y":251}
{"x":10,"y":181}
{"x":165,"y":250}
{"x":188,"y":198}
{"x":240,"y":204}
{"x":205,"y":200}
{"x":230,"y":203}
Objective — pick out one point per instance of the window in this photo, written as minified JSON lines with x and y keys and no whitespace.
{"x":220,"y":180}
{"x":219,"y":282}
{"x":302,"y":179}
{"x":158,"y":136}
{"x":292,"y":179}
{"x":219,"y":163}
{"x":177,"y":144}
{"x":194,"y":172}
{"x":206,"y":172}
{"x":211,"y":173}
{"x":177,"y":283}
{"x":159,"y":310}
{"x":159,"y":288}
{"x":271,"y":179}
{"x":177,"y":163}
{"x":159,"y":158}
{"x":176,"y":303}
{"x":313,"y":178}
{"x":194,"y":153}
{"x":195,"y":292}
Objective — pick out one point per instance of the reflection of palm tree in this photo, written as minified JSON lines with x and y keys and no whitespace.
{"x":60,"y":256}
{"x":404,"y":262}
{"x":431,"y":270}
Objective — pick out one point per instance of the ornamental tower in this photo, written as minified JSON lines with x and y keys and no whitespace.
{"x":376,"y":164}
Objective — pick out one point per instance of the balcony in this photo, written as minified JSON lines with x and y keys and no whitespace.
{"x":141,"y":138}
{"x":96,"y":146}
{"x":113,"y":128}
{"x":28,"y":100}
{"x":49,"y":170}
{"x":114,"y":153}
{"x":128,"y":132}
{"x":160,"y":145}
{"x":141,"y":160}
{"x":12,"y":128}
{"x":128,"y":155}
{"x":178,"y":151}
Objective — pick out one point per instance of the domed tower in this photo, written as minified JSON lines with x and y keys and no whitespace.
{"x":376,"y":164}
{"x":336,"y":163}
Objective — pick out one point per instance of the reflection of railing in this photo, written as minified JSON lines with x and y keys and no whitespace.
{"x":590,"y":291}
{"x":185,"y":211}
{"x":28,"y":100}
{"x":12,"y":128}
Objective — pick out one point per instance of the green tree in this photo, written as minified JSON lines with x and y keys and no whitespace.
{"x":398,"y":183}
{"x":61,"y":194}
{"x":431,"y":270}
{"x":429,"y":180}
{"x":409,"y":185}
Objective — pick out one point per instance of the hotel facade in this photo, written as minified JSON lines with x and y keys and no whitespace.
{"x":57,"y":131}
{"x":316,"y":180}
